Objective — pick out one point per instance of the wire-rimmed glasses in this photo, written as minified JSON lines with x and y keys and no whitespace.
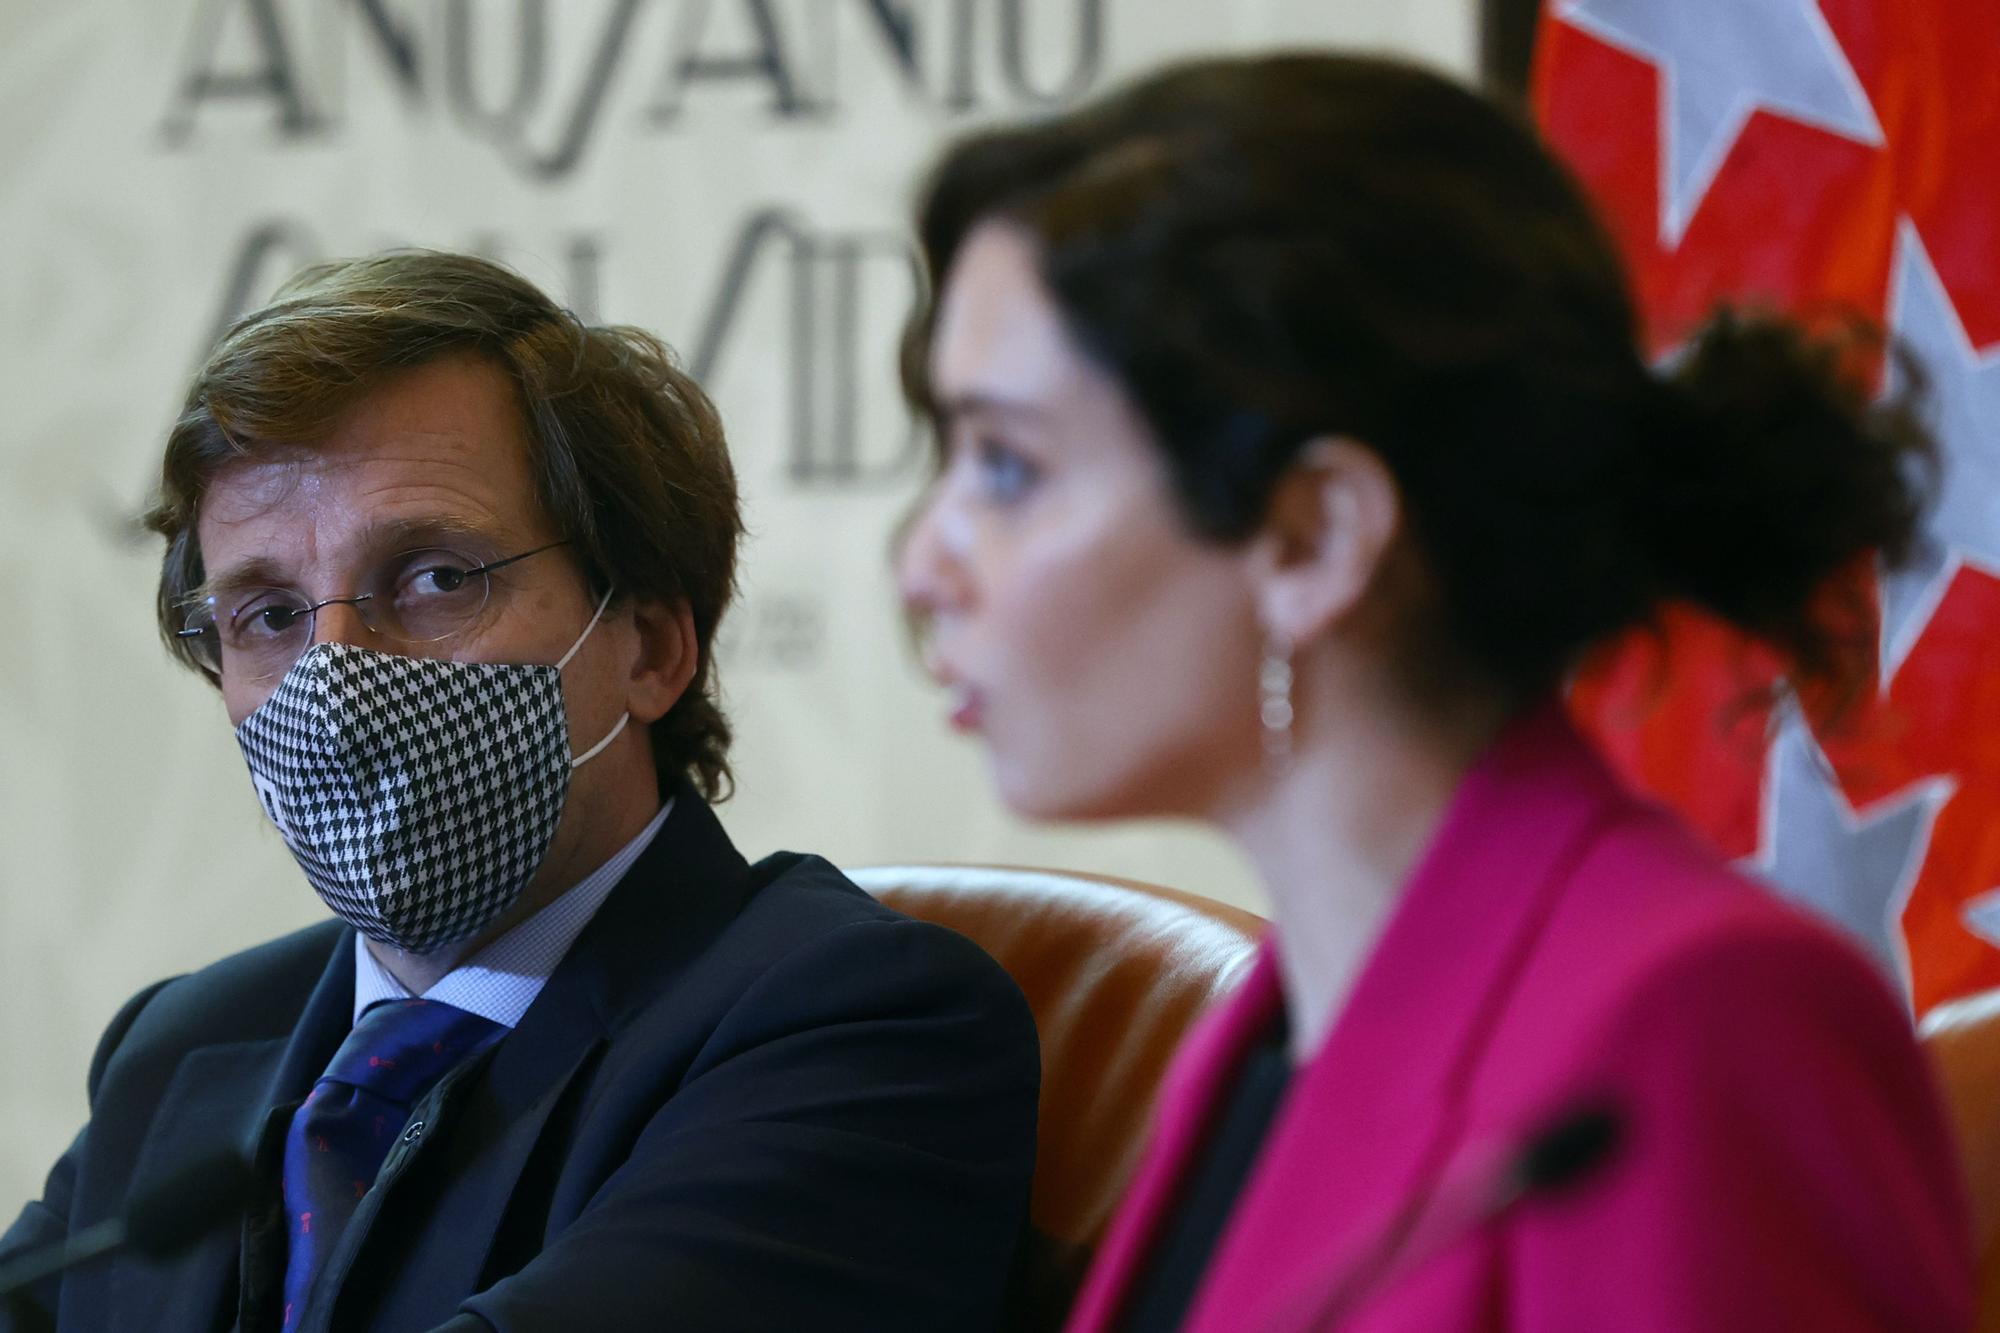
{"x":419,"y":597}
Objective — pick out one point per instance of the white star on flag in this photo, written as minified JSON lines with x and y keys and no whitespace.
{"x":1854,"y":869}
{"x":1960,"y":405}
{"x":1719,"y":61}
{"x":1981,"y":916}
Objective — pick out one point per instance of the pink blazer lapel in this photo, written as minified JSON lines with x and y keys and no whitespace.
{"x":1374,"y":1120}
{"x":1371,"y":1122}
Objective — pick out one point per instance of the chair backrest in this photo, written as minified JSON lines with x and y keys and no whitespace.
{"x":1963,"y":1038}
{"x":1115,"y":972}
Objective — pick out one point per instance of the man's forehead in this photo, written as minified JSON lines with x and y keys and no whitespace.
{"x":443,"y":440}
{"x":435,"y":467}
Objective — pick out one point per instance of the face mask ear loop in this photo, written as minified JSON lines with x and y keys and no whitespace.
{"x":598,"y":748}
{"x":586,"y":629}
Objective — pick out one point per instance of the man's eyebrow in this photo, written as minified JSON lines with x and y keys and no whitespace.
{"x":405,"y":533}
{"x":378,"y":539}
{"x":256,"y":572}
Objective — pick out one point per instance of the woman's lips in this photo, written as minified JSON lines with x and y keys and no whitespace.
{"x":966,"y":704}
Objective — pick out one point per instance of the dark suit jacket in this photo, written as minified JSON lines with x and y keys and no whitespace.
{"x":749,"y":1098}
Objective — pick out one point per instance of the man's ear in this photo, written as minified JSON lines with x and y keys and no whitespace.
{"x":1332,"y":522}
{"x":663,"y":661}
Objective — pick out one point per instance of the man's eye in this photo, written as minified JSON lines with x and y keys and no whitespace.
{"x":1004,"y":475}
{"x":264,"y":619}
{"x":440,"y":578}
{"x":433,"y":575}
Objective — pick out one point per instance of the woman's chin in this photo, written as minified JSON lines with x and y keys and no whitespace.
{"x":1049,"y":796}
{"x":1031,"y":792}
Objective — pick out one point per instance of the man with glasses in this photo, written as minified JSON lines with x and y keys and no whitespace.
{"x":563,"y":1059}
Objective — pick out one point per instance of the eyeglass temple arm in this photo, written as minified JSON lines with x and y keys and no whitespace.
{"x":489,"y":567}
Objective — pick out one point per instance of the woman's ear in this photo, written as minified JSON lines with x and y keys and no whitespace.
{"x":1333,"y":519}
{"x":665,"y":652}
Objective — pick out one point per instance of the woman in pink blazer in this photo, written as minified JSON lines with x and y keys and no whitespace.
{"x":1295,"y":445}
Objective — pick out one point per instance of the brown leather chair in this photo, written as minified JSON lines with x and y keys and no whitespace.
{"x":1115,"y":972}
{"x":1964,"y":1041}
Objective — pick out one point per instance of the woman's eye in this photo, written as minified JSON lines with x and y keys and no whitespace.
{"x":1004,"y":475}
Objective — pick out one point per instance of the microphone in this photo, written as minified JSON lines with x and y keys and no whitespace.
{"x":1562,"y":1153}
{"x":161,"y":1220}
{"x":1566,"y":1151}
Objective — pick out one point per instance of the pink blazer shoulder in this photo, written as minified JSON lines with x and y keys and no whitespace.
{"x":1784,"y":1162}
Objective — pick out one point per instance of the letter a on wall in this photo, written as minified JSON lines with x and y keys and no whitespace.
{"x":1832,"y":159}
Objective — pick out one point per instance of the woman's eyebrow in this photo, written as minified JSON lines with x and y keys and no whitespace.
{"x":981,"y":402}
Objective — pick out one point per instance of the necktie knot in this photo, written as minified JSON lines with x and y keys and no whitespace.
{"x":401,"y":1047}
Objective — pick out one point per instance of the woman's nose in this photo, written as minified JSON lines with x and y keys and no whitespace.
{"x":929,"y":577}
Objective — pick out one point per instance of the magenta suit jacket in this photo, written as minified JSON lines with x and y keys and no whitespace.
{"x":1785,"y":1162}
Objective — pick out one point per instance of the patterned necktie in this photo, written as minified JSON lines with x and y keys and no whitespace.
{"x":341,"y":1134}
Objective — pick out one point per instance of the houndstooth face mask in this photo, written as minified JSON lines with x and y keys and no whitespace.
{"x":419,"y":796}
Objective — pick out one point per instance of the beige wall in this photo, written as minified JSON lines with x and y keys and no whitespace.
{"x":130,"y":847}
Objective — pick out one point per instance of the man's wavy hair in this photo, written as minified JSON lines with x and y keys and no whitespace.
{"x":626,"y":450}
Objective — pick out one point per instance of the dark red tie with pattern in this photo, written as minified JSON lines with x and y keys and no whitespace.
{"x":341,"y":1134}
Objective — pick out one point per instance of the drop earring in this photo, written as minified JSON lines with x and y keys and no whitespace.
{"x":1274,"y":696}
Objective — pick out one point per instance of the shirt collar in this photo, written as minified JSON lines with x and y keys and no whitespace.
{"x":503,"y":979}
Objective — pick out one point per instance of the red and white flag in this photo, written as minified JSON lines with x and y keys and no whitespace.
{"x":1836,"y":156}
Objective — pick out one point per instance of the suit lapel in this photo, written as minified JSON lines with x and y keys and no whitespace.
{"x":685,"y":887}
{"x":683,"y":890}
{"x":487,"y":1133}
{"x":222,"y":1098}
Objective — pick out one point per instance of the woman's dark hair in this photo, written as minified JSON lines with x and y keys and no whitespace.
{"x":1272,"y":249}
